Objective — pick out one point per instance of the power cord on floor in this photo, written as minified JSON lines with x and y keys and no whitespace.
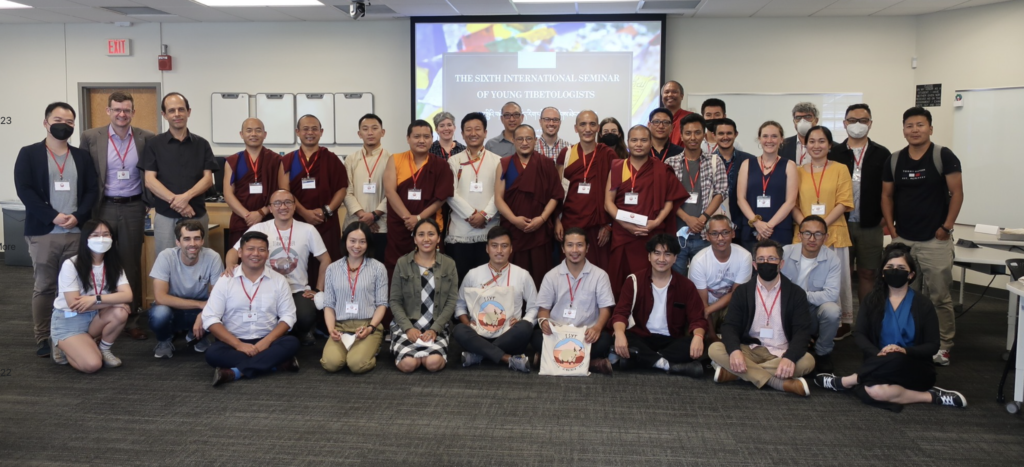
{"x":979,"y":298}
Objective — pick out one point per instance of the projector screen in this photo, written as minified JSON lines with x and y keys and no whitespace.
{"x":573,"y":63}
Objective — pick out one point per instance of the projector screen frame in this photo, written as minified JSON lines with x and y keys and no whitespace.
{"x":415,"y":20}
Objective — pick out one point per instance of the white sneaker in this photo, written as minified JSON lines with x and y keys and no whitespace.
{"x":941,"y":358}
{"x":109,"y":360}
{"x":164,"y":349}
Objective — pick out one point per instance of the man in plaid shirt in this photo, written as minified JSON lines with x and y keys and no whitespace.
{"x":704,"y":177}
{"x":549,"y":144}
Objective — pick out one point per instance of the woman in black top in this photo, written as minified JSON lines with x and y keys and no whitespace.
{"x":898,"y":331}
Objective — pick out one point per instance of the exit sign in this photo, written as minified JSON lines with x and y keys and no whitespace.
{"x":119,"y":46}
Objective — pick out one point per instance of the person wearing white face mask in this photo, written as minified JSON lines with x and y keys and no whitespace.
{"x":865,"y":160}
{"x":92,"y":302}
{"x":794,"y":148}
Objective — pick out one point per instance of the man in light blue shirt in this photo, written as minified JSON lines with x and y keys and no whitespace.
{"x":817,"y":271}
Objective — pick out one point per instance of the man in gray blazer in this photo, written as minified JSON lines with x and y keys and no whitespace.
{"x":115,"y":150}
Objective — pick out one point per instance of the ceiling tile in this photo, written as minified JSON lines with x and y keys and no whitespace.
{"x":484,"y":7}
{"x":202,"y":14}
{"x":607,"y":8}
{"x":99,"y":14}
{"x":734,"y":8}
{"x":546,"y":8}
{"x":259,"y":14}
{"x":48,"y":16}
{"x":48,"y":4}
{"x":6,"y":18}
{"x":847,"y":11}
{"x":103,"y":3}
{"x":314,"y":13}
{"x":424,"y":10}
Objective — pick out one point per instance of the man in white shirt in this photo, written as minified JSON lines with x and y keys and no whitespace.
{"x":291,"y":244}
{"x":365,"y":201}
{"x":249,"y":313}
{"x":490,"y":287}
{"x":717,"y":271}
{"x":818,"y":271}
{"x":577,"y":293}
{"x":473,"y":212}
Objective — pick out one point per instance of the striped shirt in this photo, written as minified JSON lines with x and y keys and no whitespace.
{"x":371,"y":288}
{"x":551,"y":152}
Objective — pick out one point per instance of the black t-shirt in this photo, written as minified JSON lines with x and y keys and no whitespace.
{"x":920,"y":196}
{"x":179,"y":165}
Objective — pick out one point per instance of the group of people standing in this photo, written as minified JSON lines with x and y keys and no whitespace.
{"x":431,"y":235}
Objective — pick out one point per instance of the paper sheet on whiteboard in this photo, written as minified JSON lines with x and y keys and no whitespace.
{"x":227,"y":112}
{"x":277,"y":111}
{"x":348,"y":107}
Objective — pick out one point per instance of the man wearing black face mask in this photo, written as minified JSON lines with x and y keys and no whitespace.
{"x":58,"y":185}
{"x":765,"y":334}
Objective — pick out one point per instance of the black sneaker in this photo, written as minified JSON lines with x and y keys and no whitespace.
{"x":949,"y":398}
{"x":823,"y":363}
{"x":691,"y":369}
{"x":829,"y":381}
{"x":44,"y":349}
{"x":629,"y":363}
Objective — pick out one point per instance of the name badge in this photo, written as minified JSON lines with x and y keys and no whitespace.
{"x":766,"y":333}
{"x":249,"y":316}
{"x":476,"y":187}
{"x":818,"y":209}
{"x":570,"y":312}
{"x":583,"y":189}
{"x":122,"y":175}
{"x":255,"y":188}
{"x":351,"y":308}
{"x":309,"y":183}
{"x":69,"y":314}
{"x":764,"y":201}
{"x":632,"y":198}
{"x":60,"y":185}
{"x":692,"y":199}
{"x":856,"y":174}
{"x":369,"y":188}
{"x":415,"y":194}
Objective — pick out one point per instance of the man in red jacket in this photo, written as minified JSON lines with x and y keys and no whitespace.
{"x":669,"y":325}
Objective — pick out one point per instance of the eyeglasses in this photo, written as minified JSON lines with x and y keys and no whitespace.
{"x":762,"y":259}
{"x":280,"y":203}
{"x":807,"y":235}
{"x":722,"y":234}
{"x":660,"y":122}
{"x":121,"y":111}
{"x":525,"y":139}
{"x":851,"y":121}
{"x":515,"y":115}
{"x":550,"y":120}
{"x":808,"y":117}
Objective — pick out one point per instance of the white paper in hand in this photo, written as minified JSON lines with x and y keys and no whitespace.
{"x":422,"y":343}
{"x":348,"y":339}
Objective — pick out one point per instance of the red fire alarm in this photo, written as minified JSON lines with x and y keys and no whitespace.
{"x":163,"y":61}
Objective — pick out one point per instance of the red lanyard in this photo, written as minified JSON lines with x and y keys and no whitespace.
{"x":291,"y":234}
{"x":476,"y":168}
{"x":632,"y":175}
{"x":817,"y":185}
{"x":767,"y":309}
{"x":693,"y":179}
{"x":253,"y":296}
{"x":765,"y":180}
{"x":712,"y":149}
{"x":508,"y":277}
{"x":103,"y":275}
{"x":60,"y":167}
{"x":803,"y":153}
{"x":352,"y":284}
{"x":369,"y":171}
{"x":415,"y":171}
{"x":254,"y":166}
{"x":126,"y":148}
{"x":572,"y":293}
{"x":302,"y":159}
{"x":654,"y":153}
{"x":858,"y":159}
{"x":586,"y":166}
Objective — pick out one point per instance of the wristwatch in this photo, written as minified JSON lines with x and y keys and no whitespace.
{"x":949,"y":231}
{"x":99,"y":299}
{"x":376,"y":217}
{"x":327,"y":211}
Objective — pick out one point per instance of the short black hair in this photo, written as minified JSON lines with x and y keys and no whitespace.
{"x":725,"y":121}
{"x":426,"y":220}
{"x":826,"y":131}
{"x":373,"y":116}
{"x":670,"y":242}
{"x":693,"y":118}
{"x":498,"y":231}
{"x":253,"y":235}
{"x":575,"y":231}
{"x":366,"y":232}
{"x":712,"y":102}
{"x":299,"y":121}
{"x":59,"y":105}
{"x":916,"y":112}
{"x":419,"y":123}
{"x":768,"y":243}
{"x":858,"y":107}
{"x":814,"y":218}
{"x":659,"y":110}
{"x":163,"y":102}
{"x":474,"y":116}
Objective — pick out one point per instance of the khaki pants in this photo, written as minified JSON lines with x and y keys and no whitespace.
{"x":48,"y":253}
{"x":934,"y":275}
{"x":363,"y":355}
{"x":761,"y":363}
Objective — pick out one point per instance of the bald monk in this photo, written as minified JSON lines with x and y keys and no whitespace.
{"x":585,"y":166}
{"x":416,"y":185}
{"x":639,"y":187}
{"x":319,"y":181}
{"x":250,"y":177}
{"x":527,"y":190}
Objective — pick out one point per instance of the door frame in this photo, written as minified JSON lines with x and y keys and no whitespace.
{"x":83,"y":97}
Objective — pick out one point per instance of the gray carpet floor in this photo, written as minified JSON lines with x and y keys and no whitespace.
{"x":164,"y":412}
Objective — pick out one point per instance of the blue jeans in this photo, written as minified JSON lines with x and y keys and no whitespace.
{"x":221,"y":355}
{"x":690,"y":245}
{"x":164,"y":320}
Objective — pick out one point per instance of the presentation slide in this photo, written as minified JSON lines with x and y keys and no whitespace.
{"x":612,"y":68}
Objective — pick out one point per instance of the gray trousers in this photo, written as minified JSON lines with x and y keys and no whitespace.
{"x":48,"y":253}
{"x":824,"y":324}
{"x":129,"y":222}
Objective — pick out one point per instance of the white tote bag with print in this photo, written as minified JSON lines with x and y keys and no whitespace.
{"x":565,"y":353}
{"x":491,"y":309}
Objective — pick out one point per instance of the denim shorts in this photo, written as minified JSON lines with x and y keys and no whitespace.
{"x":62,"y":328}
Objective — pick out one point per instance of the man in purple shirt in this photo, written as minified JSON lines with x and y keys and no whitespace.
{"x":115,"y":150}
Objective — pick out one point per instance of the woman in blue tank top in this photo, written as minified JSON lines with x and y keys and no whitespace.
{"x":766,"y":193}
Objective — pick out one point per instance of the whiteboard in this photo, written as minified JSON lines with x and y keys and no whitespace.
{"x":277,"y":111}
{"x":985,"y":132}
{"x":348,"y":107}
{"x":228,"y":111}
{"x":321,"y":106}
{"x":749,"y":111}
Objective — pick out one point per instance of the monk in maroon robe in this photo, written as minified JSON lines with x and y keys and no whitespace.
{"x":250,"y":177}
{"x":318,"y":179}
{"x":416,"y":185}
{"x":586,"y":166}
{"x":527,"y":191}
{"x":639,"y":186}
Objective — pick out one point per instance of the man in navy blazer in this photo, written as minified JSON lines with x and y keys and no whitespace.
{"x":57,"y":184}
{"x":115,"y":151}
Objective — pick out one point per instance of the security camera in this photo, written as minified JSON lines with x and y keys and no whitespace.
{"x":357,"y":10}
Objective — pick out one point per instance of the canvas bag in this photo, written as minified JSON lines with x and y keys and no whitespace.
{"x":491,"y":309}
{"x":562,"y":351}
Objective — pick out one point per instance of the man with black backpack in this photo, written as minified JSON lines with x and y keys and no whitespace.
{"x":922,"y":192}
